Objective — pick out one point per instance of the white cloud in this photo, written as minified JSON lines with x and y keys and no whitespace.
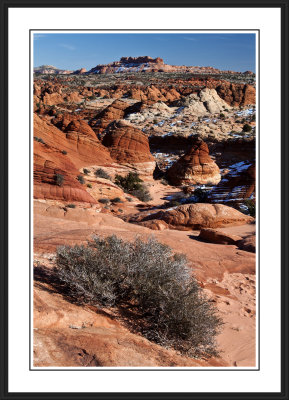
{"x":193,"y":39}
{"x":67,"y":46}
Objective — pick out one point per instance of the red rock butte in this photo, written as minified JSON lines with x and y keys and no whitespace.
{"x":195,"y":167}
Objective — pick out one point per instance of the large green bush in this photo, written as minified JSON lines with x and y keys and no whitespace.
{"x":133,"y":184}
{"x":155,"y":286}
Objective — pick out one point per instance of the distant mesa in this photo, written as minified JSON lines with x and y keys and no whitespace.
{"x":141,"y":60}
{"x":144,"y":64}
{"x":50,"y":69}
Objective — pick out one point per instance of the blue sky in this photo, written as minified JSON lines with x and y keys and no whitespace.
{"x":233,"y":51}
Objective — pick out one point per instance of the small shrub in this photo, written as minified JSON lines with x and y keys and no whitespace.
{"x":166,"y":303}
{"x":89,"y":185}
{"x":247,"y":128}
{"x":173,"y":203}
{"x":253,"y":118}
{"x":116,"y":200}
{"x":64,"y":152}
{"x":104,"y":201}
{"x":80,"y":179}
{"x":129,"y":199}
{"x":40,"y":140}
{"x":164,"y":182}
{"x":58,"y":179}
{"x":86,"y":171}
{"x":100,"y":173}
{"x":70,"y":205}
{"x":222,"y":115}
{"x":142,"y":194}
{"x":201,"y":196}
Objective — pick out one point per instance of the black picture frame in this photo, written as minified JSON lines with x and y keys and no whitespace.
{"x":284,"y":8}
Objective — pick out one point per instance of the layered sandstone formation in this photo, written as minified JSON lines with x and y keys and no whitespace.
{"x":63,"y":153}
{"x":193,"y":216}
{"x":195,"y":167}
{"x":236,"y":94}
{"x":129,"y":146}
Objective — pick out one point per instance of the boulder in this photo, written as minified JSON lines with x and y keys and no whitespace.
{"x":214,"y":236}
{"x":248,"y":244}
{"x":195,"y":216}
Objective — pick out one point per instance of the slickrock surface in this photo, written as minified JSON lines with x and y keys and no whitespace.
{"x":69,"y":335}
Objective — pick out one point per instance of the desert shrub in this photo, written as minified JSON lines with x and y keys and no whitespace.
{"x":116,"y":200}
{"x":132,"y":184}
{"x":100,"y":173}
{"x":142,"y":194}
{"x":251,"y":205}
{"x":253,"y":118}
{"x":64,"y":152}
{"x":222,"y":115}
{"x":247,"y":128}
{"x":104,"y":201}
{"x":164,"y":182}
{"x":89,"y":185}
{"x":86,"y":171}
{"x":200,"y":195}
{"x":129,"y":182}
{"x":173,"y":203}
{"x":58,"y":179}
{"x":70,"y":205}
{"x":40,"y":140}
{"x":80,"y":179}
{"x":164,"y":300}
{"x":129,"y":199}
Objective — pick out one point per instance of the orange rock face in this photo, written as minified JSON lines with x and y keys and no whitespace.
{"x":115,"y":111}
{"x":80,"y":127}
{"x":129,"y":145}
{"x":63,"y":153}
{"x":195,"y":167}
{"x":50,"y":163}
{"x":236,"y":94}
